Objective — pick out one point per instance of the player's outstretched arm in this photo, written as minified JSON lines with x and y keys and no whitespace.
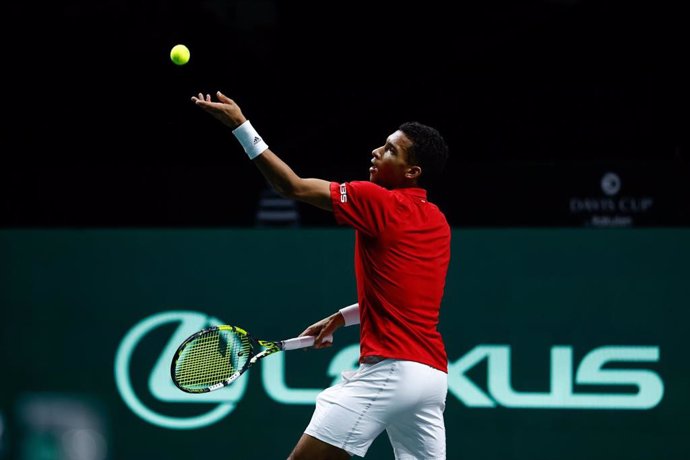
{"x":278,"y":174}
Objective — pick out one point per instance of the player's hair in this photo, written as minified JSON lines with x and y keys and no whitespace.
{"x":429,"y":149}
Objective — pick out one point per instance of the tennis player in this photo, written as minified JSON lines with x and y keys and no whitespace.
{"x":402,"y":253}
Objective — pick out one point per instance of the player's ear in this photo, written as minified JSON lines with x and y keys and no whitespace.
{"x":413,"y":172}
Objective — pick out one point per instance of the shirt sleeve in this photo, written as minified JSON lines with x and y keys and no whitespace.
{"x":362,"y":205}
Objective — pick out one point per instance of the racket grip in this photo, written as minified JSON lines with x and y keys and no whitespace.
{"x":302,"y":342}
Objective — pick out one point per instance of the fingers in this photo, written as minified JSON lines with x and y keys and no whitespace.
{"x":205,"y":101}
{"x":201,"y":98}
{"x":324,"y":339}
{"x":323,"y":343}
{"x":321,"y":339}
{"x":308,"y":331}
{"x":223,"y":98}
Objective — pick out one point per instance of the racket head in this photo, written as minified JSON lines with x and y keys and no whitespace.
{"x":211,"y":358}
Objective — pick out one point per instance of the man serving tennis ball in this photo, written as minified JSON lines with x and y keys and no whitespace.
{"x":402,"y":252}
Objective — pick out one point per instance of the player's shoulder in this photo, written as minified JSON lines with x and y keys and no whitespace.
{"x":365,"y":184}
{"x":367,"y":188}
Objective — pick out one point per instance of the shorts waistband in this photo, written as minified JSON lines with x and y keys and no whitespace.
{"x":372,"y":359}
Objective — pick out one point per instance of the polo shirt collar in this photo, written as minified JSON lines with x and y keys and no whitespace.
{"x":415,"y":192}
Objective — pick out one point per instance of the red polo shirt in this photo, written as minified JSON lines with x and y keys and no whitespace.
{"x":402,"y":252}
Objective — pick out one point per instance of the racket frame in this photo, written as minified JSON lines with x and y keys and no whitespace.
{"x":268,"y":347}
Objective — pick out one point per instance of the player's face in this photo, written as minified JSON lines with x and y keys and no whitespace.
{"x":390,"y":162}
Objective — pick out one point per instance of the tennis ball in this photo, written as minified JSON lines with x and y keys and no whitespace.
{"x":179,"y":54}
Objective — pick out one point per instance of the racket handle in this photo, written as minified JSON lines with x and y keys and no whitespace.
{"x":302,"y":342}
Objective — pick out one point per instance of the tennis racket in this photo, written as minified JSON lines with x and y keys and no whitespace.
{"x":216,"y":356}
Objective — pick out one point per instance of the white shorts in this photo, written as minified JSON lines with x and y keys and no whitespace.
{"x":405,"y":398}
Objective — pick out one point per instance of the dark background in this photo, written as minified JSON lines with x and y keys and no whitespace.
{"x":537,"y":100}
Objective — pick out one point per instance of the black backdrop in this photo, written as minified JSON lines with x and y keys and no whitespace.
{"x":537,"y":99}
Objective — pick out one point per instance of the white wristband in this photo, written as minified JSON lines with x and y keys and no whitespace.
{"x":351,"y":314}
{"x":251,"y":141}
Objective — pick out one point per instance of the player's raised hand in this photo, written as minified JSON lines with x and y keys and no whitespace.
{"x":225,"y":109}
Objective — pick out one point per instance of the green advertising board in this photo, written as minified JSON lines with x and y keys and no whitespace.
{"x":563,"y":343}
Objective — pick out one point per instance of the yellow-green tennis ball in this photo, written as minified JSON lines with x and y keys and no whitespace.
{"x":179,"y":54}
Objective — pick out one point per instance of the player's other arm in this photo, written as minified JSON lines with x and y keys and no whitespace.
{"x":278,"y":174}
{"x":322,"y":330}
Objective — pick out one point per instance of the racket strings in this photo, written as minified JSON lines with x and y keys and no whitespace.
{"x":212,"y":358}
